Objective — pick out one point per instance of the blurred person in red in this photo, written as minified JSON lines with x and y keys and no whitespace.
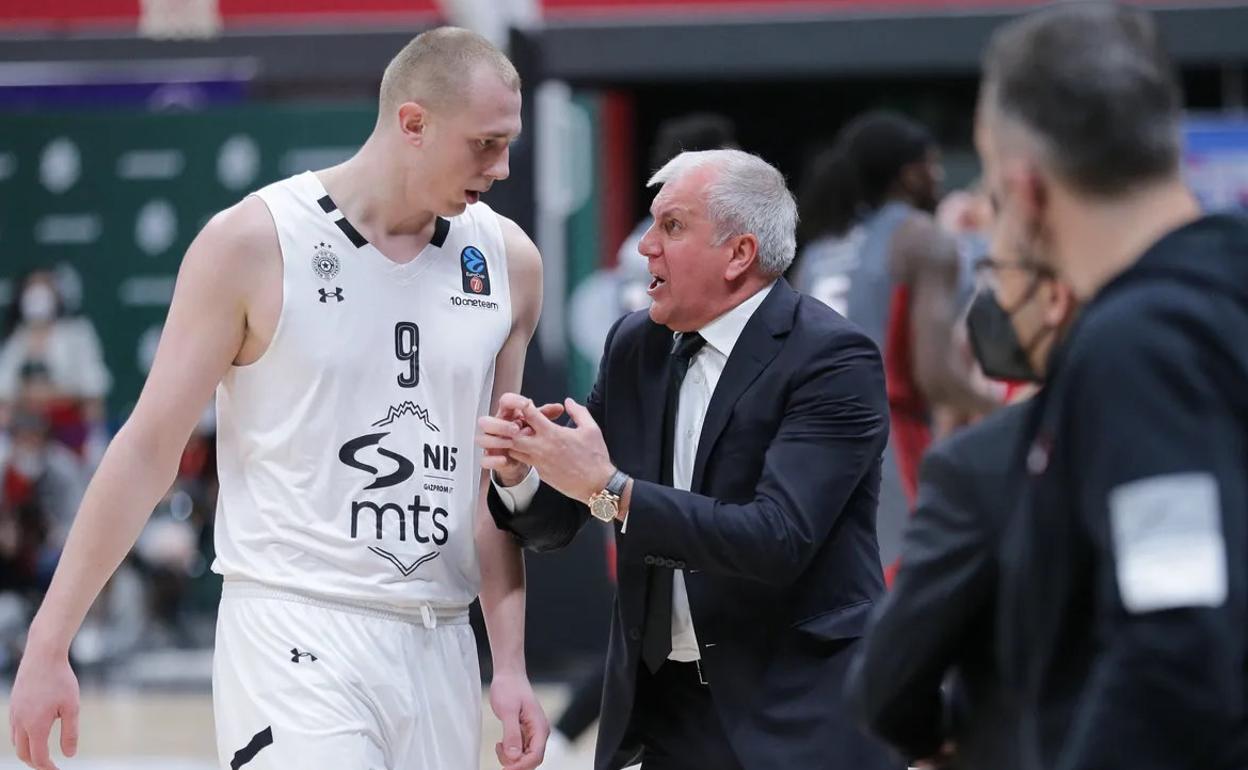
{"x":39,"y":470}
{"x":880,"y":259}
{"x":41,"y":484}
{"x":65,"y":350}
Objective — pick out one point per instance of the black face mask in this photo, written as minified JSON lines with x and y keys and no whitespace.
{"x":995,"y":343}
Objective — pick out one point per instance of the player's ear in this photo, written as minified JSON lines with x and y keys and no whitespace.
{"x":413,"y":122}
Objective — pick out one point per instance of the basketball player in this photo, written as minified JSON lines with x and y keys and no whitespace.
{"x":354,"y":322}
{"x":888,"y":267}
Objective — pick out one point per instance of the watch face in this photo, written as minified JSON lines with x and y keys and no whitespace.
{"x":603,"y":509}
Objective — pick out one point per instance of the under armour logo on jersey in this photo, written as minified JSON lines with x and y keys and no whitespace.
{"x":295,"y":655}
{"x":336,"y":294}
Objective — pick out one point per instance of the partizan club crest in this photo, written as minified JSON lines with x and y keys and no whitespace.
{"x":325,"y":262}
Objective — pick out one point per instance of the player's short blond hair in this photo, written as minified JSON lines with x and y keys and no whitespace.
{"x":435,"y":68}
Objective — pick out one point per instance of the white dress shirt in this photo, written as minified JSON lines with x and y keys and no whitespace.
{"x":708,"y":364}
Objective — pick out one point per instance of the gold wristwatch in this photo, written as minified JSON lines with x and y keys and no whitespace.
{"x":605,"y":505}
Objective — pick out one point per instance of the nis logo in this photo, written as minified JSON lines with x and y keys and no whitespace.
{"x":427,"y":521}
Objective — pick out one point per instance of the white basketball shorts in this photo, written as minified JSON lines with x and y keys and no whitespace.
{"x":305,"y":684}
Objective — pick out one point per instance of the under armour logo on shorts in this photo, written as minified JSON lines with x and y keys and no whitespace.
{"x":295,"y":655}
{"x":336,"y":294}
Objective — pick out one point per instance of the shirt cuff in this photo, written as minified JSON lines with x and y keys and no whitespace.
{"x":518,"y":497}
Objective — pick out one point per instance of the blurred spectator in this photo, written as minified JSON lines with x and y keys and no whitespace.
{"x":59,"y":357}
{"x":22,"y":533}
{"x":41,"y":483}
{"x":44,"y":477}
{"x":163,"y":594}
{"x":23,"y":530}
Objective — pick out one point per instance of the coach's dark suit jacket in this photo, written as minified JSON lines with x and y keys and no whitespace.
{"x":937,"y":626}
{"x":777,"y":536}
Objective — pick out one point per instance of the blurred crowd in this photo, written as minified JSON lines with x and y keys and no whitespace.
{"x":54,"y":428}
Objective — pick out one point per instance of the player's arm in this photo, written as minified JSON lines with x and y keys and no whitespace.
{"x":202,"y":336}
{"x":928,"y":257}
{"x":502,"y":565}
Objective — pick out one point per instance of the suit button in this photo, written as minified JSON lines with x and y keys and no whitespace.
{"x":634,"y":634}
{"x":649,"y":560}
{"x":680,"y":565}
{"x":670,"y":564}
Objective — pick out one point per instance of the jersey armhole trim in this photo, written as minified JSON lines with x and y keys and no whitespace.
{"x":280,"y":326}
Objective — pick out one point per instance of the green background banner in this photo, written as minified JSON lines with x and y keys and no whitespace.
{"x":118,"y":197}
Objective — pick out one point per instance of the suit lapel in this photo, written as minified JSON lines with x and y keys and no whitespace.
{"x":758,"y":345}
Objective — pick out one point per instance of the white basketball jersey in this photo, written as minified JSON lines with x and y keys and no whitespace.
{"x":345,"y":453}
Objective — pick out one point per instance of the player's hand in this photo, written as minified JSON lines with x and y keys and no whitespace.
{"x":44,"y":690}
{"x":496,"y":435}
{"x":525,"y":727}
{"x":573,"y":460}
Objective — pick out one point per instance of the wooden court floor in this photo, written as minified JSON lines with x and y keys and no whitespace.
{"x":144,"y":731}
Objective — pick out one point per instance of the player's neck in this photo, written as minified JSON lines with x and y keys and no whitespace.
{"x":376,"y":195}
{"x":1104,"y":238}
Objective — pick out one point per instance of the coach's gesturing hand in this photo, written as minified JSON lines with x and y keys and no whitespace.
{"x":495,"y":434}
{"x":573,"y":460}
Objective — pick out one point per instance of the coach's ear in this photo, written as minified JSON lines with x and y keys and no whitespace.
{"x":413,"y":122}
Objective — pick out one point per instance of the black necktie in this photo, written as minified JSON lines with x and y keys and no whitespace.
{"x":656,"y":640}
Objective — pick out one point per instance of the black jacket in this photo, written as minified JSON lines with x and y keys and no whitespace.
{"x":936,"y":628}
{"x":1124,"y":601}
{"x":777,"y":536}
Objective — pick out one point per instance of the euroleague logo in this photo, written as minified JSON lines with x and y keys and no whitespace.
{"x":476,"y":272}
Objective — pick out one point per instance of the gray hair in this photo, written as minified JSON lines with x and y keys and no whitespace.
{"x":746,"y":195}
